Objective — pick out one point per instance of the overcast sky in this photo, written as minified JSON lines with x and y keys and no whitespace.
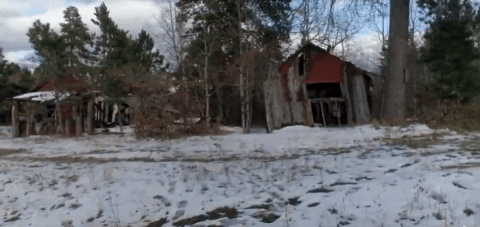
{"x":132,"y":15}
{"x":17,"y":16}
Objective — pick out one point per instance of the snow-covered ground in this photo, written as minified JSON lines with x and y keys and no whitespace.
{"x":296,"y":176}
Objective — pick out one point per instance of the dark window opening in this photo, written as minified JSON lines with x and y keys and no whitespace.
{"x":324,"y":90}
{"x":301,"y":64}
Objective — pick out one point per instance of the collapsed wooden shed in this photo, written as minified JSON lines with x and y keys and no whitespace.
{"x":313,"y":87}
{"x":80,"y":110}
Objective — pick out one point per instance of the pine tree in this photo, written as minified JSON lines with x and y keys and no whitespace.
{"x":51,"y":47}
{"x":76,"y":36}
{"x":144,"y":53}
{"x":108,"y":30}
{"x":450,"y":50}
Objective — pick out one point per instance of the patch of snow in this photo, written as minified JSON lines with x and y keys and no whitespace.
{"x":41,"y":96}
{"x":305,"y":176}
{"x":128,"y":130}
{"x":5,"y":131}
{"x":191,"y":120}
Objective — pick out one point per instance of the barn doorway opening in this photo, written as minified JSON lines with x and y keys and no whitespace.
{"x":328,"y":104}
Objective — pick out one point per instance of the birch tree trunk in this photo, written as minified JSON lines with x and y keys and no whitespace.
{"x":397,"y":61}
{"x":241,"y":85}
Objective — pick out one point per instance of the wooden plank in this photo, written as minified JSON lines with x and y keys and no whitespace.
{"x":308,"y":108}
{"x":361,"y":108}
{"x":291,"y":107}
{"x":346,"y":94}
{"x":338,"y":115}
{"x":284,"y":115}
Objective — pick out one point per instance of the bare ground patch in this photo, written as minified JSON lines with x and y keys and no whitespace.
{"x":73,"y":159}
{"x":6,"y":152}
{"x":415,"y":142}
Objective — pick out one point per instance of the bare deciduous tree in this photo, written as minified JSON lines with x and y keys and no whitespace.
{"x":172,"y":32}
{"x":327,"y":22}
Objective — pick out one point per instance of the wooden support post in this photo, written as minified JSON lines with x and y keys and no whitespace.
{"x":105,"y":118}
{"x":90,"y":114}
{"x":77,"y":116}
{"x":28,"y":127}
{"x":101,"y":112}
{"x":338,"y":112}
{"x":15,"y":124}
{"x":323,"y":115}
{"x":68,"y":124}
{"x":29,"y":112}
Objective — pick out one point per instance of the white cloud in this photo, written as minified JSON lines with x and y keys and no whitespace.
{"x":20,"y":57}
{"x":131,"y":15}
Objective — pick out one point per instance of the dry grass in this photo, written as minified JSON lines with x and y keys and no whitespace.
{"x":70,"y":159}
{"x":462,"y":165}
{"x":415,"y":142}
{"x":6,"y":152}
{"x":459,"y":117}
{"x":160,"y":110}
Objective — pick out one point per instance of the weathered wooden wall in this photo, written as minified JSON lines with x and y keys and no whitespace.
{"x":359,"y":100}
{"x":281,"y":112}
{"x":377,"y":97}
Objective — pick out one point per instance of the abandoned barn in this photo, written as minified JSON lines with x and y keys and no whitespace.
{"x":36,"y":112}
{"x":313,"y":87}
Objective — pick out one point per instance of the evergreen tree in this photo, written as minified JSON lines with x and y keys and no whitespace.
{"x":50,"y":47}
{"x":145,"y":55}
{"x":449,"y":48}
{"x":122,"y":59}
{"x":108,"y":30}
{"x":76,"y":37}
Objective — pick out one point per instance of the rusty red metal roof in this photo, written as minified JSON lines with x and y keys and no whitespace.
{"x":325,"y":68}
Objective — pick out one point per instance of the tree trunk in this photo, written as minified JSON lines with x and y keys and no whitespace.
{"x":205,"y":73}
{"x":241,"y":84}
{"x":90,"y":114}
{"x":220,"y":105}
{"x":68,"y":125}
{"x":207,"y":95}
{"x":396,"y":61}
{"x":247,"y":103}
{"x":60,"y":127}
